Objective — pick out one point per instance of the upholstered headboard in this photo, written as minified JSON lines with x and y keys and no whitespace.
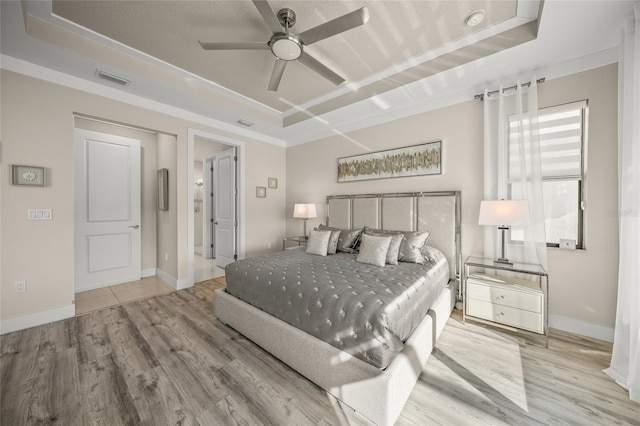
{"x":436,"y":212}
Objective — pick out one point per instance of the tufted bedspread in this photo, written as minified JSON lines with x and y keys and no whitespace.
{"x":364,"y":310}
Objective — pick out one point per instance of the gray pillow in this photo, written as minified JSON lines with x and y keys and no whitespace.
{"x":348,"y":238}
{"x":333,"y":240}
{"x":411,"y":247}
{"x":318,"y":242}
{"x":394,"y":248}
{"x":373,"y":249}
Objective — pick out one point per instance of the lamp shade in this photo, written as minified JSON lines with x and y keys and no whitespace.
{"x":304,"y":211}
{"x":504,"y":212}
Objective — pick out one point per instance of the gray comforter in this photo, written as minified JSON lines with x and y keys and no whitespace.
{"x":364,"y":310}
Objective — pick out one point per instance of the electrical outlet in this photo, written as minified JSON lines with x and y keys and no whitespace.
{"x":268,"y":245}
{"x":21,"y":286}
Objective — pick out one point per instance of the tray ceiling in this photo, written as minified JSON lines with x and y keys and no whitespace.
{"x":397,"y":33}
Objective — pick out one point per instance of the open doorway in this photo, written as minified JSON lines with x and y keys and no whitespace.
{"x":215,"y":207}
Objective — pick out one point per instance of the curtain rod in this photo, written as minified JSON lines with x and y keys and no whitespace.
{"x":493,"y":92}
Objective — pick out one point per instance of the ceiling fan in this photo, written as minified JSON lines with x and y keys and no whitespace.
{"x":286,"y":46}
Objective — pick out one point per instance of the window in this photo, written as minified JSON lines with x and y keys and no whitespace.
{"x":562,"y":146}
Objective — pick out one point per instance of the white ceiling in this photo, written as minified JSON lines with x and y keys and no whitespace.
{"x":396,"y":32}
{"x":411,"y":56}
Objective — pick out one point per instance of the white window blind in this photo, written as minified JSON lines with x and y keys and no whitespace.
{"x":560,"y":130}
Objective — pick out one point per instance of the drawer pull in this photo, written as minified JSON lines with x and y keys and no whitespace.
{"x":500,"y":297}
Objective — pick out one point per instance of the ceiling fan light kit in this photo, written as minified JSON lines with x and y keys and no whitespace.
{"x":287,"y":47}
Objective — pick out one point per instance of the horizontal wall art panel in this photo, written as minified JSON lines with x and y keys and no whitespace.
{"x":423,"y":159}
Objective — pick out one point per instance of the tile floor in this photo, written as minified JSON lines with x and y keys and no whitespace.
{"x":92,"y":300}
{"x":205,"y":269}
{"x":100,"y":298}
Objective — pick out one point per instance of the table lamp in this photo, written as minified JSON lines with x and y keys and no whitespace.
{"x":503,"y":213}
{"x":304,"y":212}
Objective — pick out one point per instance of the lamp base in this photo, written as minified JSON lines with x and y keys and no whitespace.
{"x":503,"y":262}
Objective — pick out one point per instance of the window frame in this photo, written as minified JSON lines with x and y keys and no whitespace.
{"x":581,"y":180}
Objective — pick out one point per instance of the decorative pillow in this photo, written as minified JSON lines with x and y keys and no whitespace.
{"x":432,"y":254}
{"x":394,"y":247}
{"x":333,"y":241}
{"x":411,"y":247}
{"x":348,"y":238}
{"x":318,"y":242}
{"x":373,"y":249}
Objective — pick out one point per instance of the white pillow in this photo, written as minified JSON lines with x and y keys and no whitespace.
{"x":318,"y":242}
{"x":373,"y":249}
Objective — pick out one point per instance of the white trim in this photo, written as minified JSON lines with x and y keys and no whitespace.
{"x":43,"y":10}
{"x":191,"y":135}
{"x":167,"y":278}
{"x":343,"y":121}
{"x":10,"y":325}
{"x":150,"y":272}
{"x":184,"y":283}
{"x":19,"y":66}
{"x":582,"y":328}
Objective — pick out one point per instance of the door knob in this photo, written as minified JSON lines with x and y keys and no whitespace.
{"x":134,"y":226}
{"x":215,"y":223}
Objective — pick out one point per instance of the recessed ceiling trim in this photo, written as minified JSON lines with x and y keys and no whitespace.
{"x":43,"y":10}
{"x":56,"y":77}
{"x":453,"y":59}
{"x":524,"y":15}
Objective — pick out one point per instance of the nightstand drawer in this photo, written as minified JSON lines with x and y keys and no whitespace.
{"x":502,"y":295}
{"x":506,"y":315}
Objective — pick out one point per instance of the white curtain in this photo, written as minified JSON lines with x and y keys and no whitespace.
{"x":512,"y":154}
{"x":625,"y":361}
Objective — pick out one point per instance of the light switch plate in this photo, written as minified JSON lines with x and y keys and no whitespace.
{"x":568,"y":244}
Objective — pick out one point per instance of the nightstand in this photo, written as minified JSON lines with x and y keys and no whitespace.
{"x":301,"y":241}
{"x":491,"y":296}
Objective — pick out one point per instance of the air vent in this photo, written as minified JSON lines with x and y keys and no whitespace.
{"x":112,"y":78}
{"x":244,"y":123}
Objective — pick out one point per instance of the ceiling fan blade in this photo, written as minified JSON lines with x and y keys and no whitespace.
{"x":276,"y":75}
{"x":268,"y":15}
{"x":233,"y":45}
{"x":320,"y":69}
{"x":335,"y":26}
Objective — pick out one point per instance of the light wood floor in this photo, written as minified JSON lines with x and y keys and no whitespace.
{"x":167,"y":360}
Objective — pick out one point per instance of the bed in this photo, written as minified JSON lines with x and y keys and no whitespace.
{"x":375,"y":383}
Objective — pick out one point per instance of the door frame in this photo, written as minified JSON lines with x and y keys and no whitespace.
{"x":240,"y":183}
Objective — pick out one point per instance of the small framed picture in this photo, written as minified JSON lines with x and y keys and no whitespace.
{"x":27,"y":175}
{"x":261,"y":192}
{"x":273,"y":183}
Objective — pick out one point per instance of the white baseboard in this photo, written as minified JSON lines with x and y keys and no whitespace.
{"x":184,"y":283}
{"x":31,"y":320}
{"x":151,"y":272}
{"x":167,"y":278}
{"x":582,"y":328}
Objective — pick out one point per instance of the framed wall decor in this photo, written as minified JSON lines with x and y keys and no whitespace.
{"x":27,"y":175}
{"x":261,"y":192}
{"x":163,"y":189}
{"x":273,"y":183}
{"x":416,"y":160}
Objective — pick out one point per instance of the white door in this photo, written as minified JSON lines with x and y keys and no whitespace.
{"x":225,"y":221}
{"x":107,"y":210}
{"x":208,"y":217}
